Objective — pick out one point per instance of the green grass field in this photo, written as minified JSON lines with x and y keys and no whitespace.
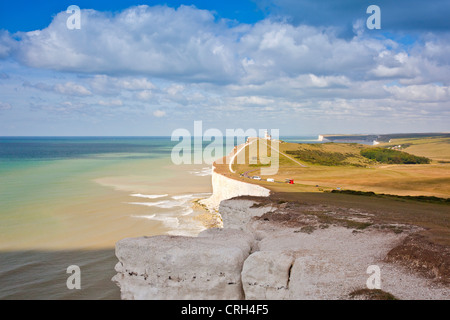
{"x":347,"y":169}
{"x":437,"y":149}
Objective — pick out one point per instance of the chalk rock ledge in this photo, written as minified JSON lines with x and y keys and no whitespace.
{"x":169,"y":267}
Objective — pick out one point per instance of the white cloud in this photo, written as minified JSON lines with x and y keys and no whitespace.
{"x":135,"y":84}
{"x":160,"y":41}
{"x":71,"y":88}
{"x":68,"y":88}
{"x":106,"y":85}
{"x":159,"y":113}
{"x":144,"y":95}
{"x":428,"y":92}
{"x":190,"y":45}
{"x":7,"y":44}
{"x":111,"y":103}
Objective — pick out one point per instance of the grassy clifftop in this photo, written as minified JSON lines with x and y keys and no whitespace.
{"x":331,"y":166}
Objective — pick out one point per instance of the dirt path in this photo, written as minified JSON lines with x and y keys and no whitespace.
{"x":239,"y":149}
{"x":290,"y":158}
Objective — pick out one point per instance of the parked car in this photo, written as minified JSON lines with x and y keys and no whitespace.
{"x":256,"y":177}
{"x":270,"y":180}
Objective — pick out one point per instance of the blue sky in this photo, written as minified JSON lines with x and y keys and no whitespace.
{"x":26,"y":15}
{"x":150,"y":67}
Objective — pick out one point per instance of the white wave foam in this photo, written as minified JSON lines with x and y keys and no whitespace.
{"x":149,"y":204}
{"x":149,"y":196}
{"x":150,"y":217}
{"x":166,"y":204}
{"x":188,"y":229}
{"x":168,"y":221}
{"x":183,"y":197}
{"x":177,"y":219}
{"x":190,"y":196}
{"x":187,"y":211}
{"x":207,"y":171}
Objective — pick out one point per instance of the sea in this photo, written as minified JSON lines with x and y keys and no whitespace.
{"x":66,"y":201}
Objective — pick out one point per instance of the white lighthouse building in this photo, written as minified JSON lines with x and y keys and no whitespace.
{"x":267,"y":136}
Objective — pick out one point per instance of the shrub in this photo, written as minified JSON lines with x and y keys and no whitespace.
{"x":321,"y":157}
{"x":390,"y":156}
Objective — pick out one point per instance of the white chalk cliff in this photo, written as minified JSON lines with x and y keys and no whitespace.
{"x":226,"y":188}
{"x":172,"y":267}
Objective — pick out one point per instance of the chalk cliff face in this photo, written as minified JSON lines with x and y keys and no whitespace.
{"x":173,"y":267}
{"x":226,"y":188}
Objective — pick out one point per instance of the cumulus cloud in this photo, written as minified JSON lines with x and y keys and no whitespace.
{"x":7,"y":44}
{"x":123,"y":50}
{"x":144,"y":95}
{"x":159,"y":41}
{"x":107,"y":85}
{"x":71,"y":88}
{"x":188,"y":44}
{"x":68,"y":88}
{"x":159,"y":113}
{"x":111,"y":103}
{"x":428,"y":92}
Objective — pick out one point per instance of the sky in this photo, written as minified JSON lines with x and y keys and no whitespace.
{"x":147,"y":68}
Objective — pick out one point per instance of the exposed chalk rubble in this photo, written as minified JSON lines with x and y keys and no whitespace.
{"x":237,"y":213}
{"x":174,"y":267}
{"x":266,"y":275}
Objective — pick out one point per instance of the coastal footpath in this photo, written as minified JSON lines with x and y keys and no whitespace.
{"x":271,"y":249}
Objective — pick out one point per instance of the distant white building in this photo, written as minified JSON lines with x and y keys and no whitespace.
{"x":267,"y":136}
{"x":322,"y":138}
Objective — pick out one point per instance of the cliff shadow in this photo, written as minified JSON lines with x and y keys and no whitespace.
{"x":42,"y":275}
